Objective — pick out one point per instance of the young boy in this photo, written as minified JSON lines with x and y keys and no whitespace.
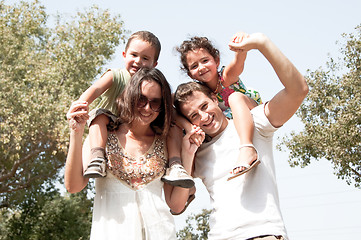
{"x":142,"y":50}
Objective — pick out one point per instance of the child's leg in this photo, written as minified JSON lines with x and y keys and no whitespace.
{"x":97,"y":137}
{"x":243,"y":121}
{"x":176,"y":175}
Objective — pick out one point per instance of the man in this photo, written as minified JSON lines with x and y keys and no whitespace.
{"x":246,"y":207}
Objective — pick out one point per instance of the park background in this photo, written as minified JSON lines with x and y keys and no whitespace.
{"x":315,"y":204}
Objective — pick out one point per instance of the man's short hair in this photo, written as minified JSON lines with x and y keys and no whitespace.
{"x":185,"y":90}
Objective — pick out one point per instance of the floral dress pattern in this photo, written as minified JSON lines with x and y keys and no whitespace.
{"x":136,"y":172}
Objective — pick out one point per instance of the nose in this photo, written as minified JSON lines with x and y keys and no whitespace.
{"x":200,"y":68}
{"x":203,"y":115}
{"x":137,"y":60}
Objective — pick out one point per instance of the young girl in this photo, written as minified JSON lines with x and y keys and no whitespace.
{"x":142,"y":50}
{"x":200,"y":59}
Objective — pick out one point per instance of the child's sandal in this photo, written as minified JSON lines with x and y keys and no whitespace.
{"x":245,"y":166}
{"x":96,"y":168}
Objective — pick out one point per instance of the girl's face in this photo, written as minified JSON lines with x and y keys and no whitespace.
{"x":139,"y":54}
{"x":202,"y":66}
{"x":150,"y":102}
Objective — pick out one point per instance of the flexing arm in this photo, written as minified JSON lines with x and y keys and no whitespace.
{"x":286,"y":102}
{"x":77,"y":116}
{"x":235,"y":68}
{"x":97,"y":88}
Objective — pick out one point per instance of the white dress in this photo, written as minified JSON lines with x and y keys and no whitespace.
{"x":128,"y":203}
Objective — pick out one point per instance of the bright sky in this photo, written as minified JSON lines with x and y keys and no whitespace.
{"x":315,"y":204}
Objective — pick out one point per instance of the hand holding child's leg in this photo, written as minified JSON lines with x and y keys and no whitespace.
{"x":176,"y":175}
{"x":98,"y":136}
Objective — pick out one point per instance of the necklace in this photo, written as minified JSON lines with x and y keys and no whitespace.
{"x":218,"y":84}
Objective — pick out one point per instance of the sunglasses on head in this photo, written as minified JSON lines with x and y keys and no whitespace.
{"x":155,"y":104}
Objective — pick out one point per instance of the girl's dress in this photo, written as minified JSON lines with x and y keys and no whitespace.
{"x":223,"y":95}
{"x":128,"y":203}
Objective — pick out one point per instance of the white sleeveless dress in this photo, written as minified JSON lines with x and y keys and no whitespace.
{"x":128,"y":203}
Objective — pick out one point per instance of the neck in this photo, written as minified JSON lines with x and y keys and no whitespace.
{"x":137,"y":132}
{"x":215,"y":84}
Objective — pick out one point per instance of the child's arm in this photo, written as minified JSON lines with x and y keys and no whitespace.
{"x":232,"y":71}
{"x":98,"y":88}
{"x":183,"y":123}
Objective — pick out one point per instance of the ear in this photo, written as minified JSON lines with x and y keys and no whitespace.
{"x":189,"y":74}
{"x":124,"y":54}
{"x":214,"y":98}
{"x":217,"y":61}
{"x":155,"y":64}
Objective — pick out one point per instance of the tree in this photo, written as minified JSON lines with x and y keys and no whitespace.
{"x":331,"y":115}
{"x":200,"y":220}
{"x":42,"y":70}
{"x":47,"y":215}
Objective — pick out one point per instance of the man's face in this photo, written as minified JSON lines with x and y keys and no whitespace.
{"x":205,"y":113}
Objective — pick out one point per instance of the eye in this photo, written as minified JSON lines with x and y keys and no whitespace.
{"x":205,"y":60}
{"x":193,"y":67}
{"x":193,"y":116}
{"x":204,"y":106}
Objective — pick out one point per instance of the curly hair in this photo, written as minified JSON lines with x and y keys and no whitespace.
{"x":192,"y":44}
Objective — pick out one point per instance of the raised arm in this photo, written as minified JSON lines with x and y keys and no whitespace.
{"x":236,"y":66}
{"x":77,"y":116}
{"x":286,"y":102}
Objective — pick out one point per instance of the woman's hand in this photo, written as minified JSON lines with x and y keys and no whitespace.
{"x":78,"y":115}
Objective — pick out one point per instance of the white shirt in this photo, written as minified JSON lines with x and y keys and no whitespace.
{"x":247,"y":206}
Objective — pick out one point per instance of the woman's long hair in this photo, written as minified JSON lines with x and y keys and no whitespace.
{"x":128,"y":101}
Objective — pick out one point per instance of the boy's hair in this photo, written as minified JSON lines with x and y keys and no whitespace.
{"x":186,"y":90}
{"x":192,"y":44}
{"x":128,"y":100}
{"x":146,"y":37}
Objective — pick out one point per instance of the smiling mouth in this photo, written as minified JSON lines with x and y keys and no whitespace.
{"x":209,"y":122}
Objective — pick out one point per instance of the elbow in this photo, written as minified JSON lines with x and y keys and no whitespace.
{"x":304,"y":90}
{"x":177,"y":209}
{"x":72,"y":188}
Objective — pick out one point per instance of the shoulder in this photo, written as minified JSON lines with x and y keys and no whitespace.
{"x":261,"y":122}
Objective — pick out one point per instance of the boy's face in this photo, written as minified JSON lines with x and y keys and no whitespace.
{"x":202,"y":66}
{"x":205,"y":113}
{"x":139,"y":54}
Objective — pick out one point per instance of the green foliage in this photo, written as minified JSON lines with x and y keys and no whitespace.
{"x":49,"y":216}
{"x":331,"y":115}
{"x":42,"y":71}
{"x":201,"y":221}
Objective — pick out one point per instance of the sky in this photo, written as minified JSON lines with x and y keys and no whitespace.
{"x":315,"y":204}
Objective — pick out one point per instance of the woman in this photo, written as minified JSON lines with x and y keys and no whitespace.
{"x":128,"y":202}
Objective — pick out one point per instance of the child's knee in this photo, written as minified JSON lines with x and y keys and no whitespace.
{"x":101,"y":119}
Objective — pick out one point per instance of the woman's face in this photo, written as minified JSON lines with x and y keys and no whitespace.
{"x":150,"y":102}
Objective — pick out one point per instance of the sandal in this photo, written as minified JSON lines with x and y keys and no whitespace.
{"x":190,"y":199}
{"x":96,"y":168}
{"x":246,"y":166}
